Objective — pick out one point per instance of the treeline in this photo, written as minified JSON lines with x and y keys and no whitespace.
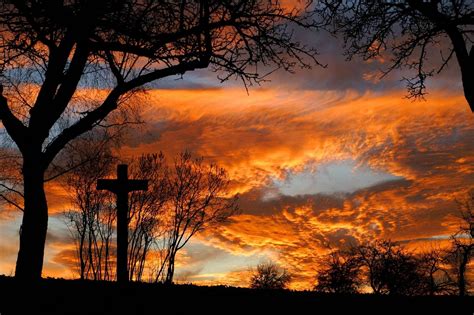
{"x":387,"y":267}
{"x":379,"y":267}
{"x":184,"y":197}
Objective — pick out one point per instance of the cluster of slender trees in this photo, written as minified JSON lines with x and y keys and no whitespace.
{"x":183,"y":198}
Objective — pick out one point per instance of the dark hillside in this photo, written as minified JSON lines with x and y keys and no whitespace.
{"x":52,"y":296}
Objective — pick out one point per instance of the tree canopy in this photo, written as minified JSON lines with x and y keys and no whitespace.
{"x":421,"y":35}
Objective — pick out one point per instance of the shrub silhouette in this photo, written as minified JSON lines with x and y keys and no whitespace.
{"x":270,"y":276}
{"x":340,"y":273}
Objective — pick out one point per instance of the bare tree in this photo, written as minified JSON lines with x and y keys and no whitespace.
{"x":462,"y":248}
{"x":421,"y":35}
{"x":91,"y":221}
{"x":199,"y":198}
{"x":389,"y":269}
{"x":340,"y":272}
{"x":433,"y":267}
{"x":270,"y":276}
{"x":458,"y":258}
{"x":51,"y":48}
{"x":147,"y":211}
{"x":179,"y":203}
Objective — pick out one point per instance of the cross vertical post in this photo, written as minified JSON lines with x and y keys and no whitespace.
{"x":122,"y":223}
{"x":121,"y":187}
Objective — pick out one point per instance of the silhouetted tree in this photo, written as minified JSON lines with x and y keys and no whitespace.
{"x":270,"y":276}
{"x":434,"y":271}
{"x":51,"y":48}
{"x":198,"y":198}
{"x":462,"y":248}
{"x":180,"y":202}
{"x":412,"y":31}
{"x":91,"y":221}
{"x":458,"y":258}
{"x":389,"y":269}
{"x":340,"y":273}
{"x":147,"y":211}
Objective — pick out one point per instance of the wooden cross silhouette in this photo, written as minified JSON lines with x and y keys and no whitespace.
{"x":121,"y":187}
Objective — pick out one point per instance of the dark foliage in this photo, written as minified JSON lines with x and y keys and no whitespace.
{"x":340,"y":273}
{"x":388,"y":269}
{"x":462,"y":244}
{"x":270,"y":276}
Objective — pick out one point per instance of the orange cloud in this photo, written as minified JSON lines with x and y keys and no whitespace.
{"x":264,"y":137}
{"x":271,"y":132}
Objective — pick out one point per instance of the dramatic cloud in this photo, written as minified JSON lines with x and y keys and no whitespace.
{"x":409,"y":161}
{"x":328,"y":157}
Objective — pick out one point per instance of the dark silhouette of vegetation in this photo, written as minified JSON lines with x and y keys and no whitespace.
{"x":52,"y":48}
{"x":270,"y":276}
{"x":198,"y":199}
{"x":146,"y":212}
{"x":181,"y":201}
{"x":385,"y":267}
{"x":389,"y":269}
{"x":55,"y":296}
{"x":339,"y":273}
{"x":462,"y":241}
{"x":91,"y":221}
{"x":421,"y":35}
{"x":436,"y":274}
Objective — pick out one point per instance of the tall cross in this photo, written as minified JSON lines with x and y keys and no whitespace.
{"x":121,"y":187}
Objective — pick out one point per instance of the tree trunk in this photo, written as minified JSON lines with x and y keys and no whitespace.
{"x":81,"y":256}
{"x":106,"y":262}
{"x":170,"y":272}
{"x":466,"y":64}
{"x":35,"y":223}
{"x":462,"y":271}
{"x":462,"y":281}
{"x":468,"y":82}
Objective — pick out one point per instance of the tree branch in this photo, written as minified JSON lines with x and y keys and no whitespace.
{"x":100,"y":113}
{"x":13,"y":125}
{"x":11,"y":202}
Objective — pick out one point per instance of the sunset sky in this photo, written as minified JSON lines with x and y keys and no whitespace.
{"x":320,"y":156}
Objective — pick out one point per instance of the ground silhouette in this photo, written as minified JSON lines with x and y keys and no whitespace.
{"x":54,"y":296}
